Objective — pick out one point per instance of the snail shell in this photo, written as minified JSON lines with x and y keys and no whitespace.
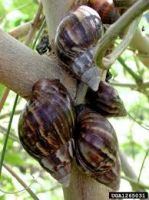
{"x":46,"y":126}
{"x":77,"y":34}
{"x":106,"y":101}
{"x":106,"y":9}
{"x":96,"y":148}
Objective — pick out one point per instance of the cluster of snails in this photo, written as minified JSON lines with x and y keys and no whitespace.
{"x":54,"y":130}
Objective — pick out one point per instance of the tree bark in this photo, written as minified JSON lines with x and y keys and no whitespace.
{"x":82,"y":187}
{"x":20,"y":67}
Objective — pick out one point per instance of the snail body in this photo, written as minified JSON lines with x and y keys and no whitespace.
{"x":106,"y":9}
{"x":46,"y":126}
{"x":106,"y":101}
{"x":96,"y":148}
{"x":77,"y":34}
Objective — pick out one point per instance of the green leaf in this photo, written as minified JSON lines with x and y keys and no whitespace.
{"x":13,"y":158}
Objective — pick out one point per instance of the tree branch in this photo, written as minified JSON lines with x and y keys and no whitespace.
{"x":115,"y":29}
{"x":54,"y":11}
{"x":140,"y":42}
{"x":111,"y":58}
{"x":26,"y":187}
{"x":3,"y":99}
{"x":20,"y":67}
{"x":129,"y":172}
{"x":82,"y":187}
{"x":21,"y":31}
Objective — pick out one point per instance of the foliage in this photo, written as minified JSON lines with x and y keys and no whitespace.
{"x":132,"y":131}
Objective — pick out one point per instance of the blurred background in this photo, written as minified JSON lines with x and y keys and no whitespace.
{"x":132,"y":130}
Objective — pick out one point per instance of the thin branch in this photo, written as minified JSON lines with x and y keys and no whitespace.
{"x":145,"y":157}
{"x":134,"y":11}
{"x":7,"y":135}
{"x":5,"y":115}
{"x":111,"y":58}
{"x":35,"y":24}
{"x":136,"y":77}
{"x":134,"y":182}
{"x":128,"y":170}
{"x":131,"y":85}
{"x":11,"y":136}
{"x":26,"y":187}
{"x":21,"y":31}
{"x":140,"y":45}
{"x":144,"y":126}
{"x":3,"y":99}
{"x":140,"y":42}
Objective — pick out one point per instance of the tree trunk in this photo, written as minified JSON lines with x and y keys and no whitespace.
{"x":82,"y":187}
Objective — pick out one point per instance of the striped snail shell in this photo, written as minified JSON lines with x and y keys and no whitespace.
{"x":106,"y":9}
{"x":106,"y":101}
{"x":96,"y":148}
{"x":77,"y":34}
{"x":46,"y":126}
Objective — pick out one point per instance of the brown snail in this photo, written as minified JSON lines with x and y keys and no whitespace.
{"x":106,"y":9}
{"x":77,"y":34}
{"x":96,"y":148}
{"x":106,"y":101}
{"x":46,"y":126}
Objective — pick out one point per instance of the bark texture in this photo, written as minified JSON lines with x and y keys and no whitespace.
{"x":20,"y":67}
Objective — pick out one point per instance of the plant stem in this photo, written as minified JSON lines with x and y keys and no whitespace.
{"x":26,"y":187}
{"x":7,"y":135}
{"x":111,"y":58}
{"x":136,"y":77}
{"x":4,"y":97}
{"x":134,"y":11}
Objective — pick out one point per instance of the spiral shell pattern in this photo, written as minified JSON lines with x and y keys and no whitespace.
{"x":46,"y":126}
{"x":106,"y":9}
{"x":96,"y":148}
{"x":106,"y":101}
{"x":77,"y":34}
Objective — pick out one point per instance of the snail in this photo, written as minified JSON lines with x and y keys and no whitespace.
{"x":46,"y":126}
{"x":106,"y":101}
{"x":106,"y":9}
{"x":96,"y":148}
{"x":76,"y":37}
